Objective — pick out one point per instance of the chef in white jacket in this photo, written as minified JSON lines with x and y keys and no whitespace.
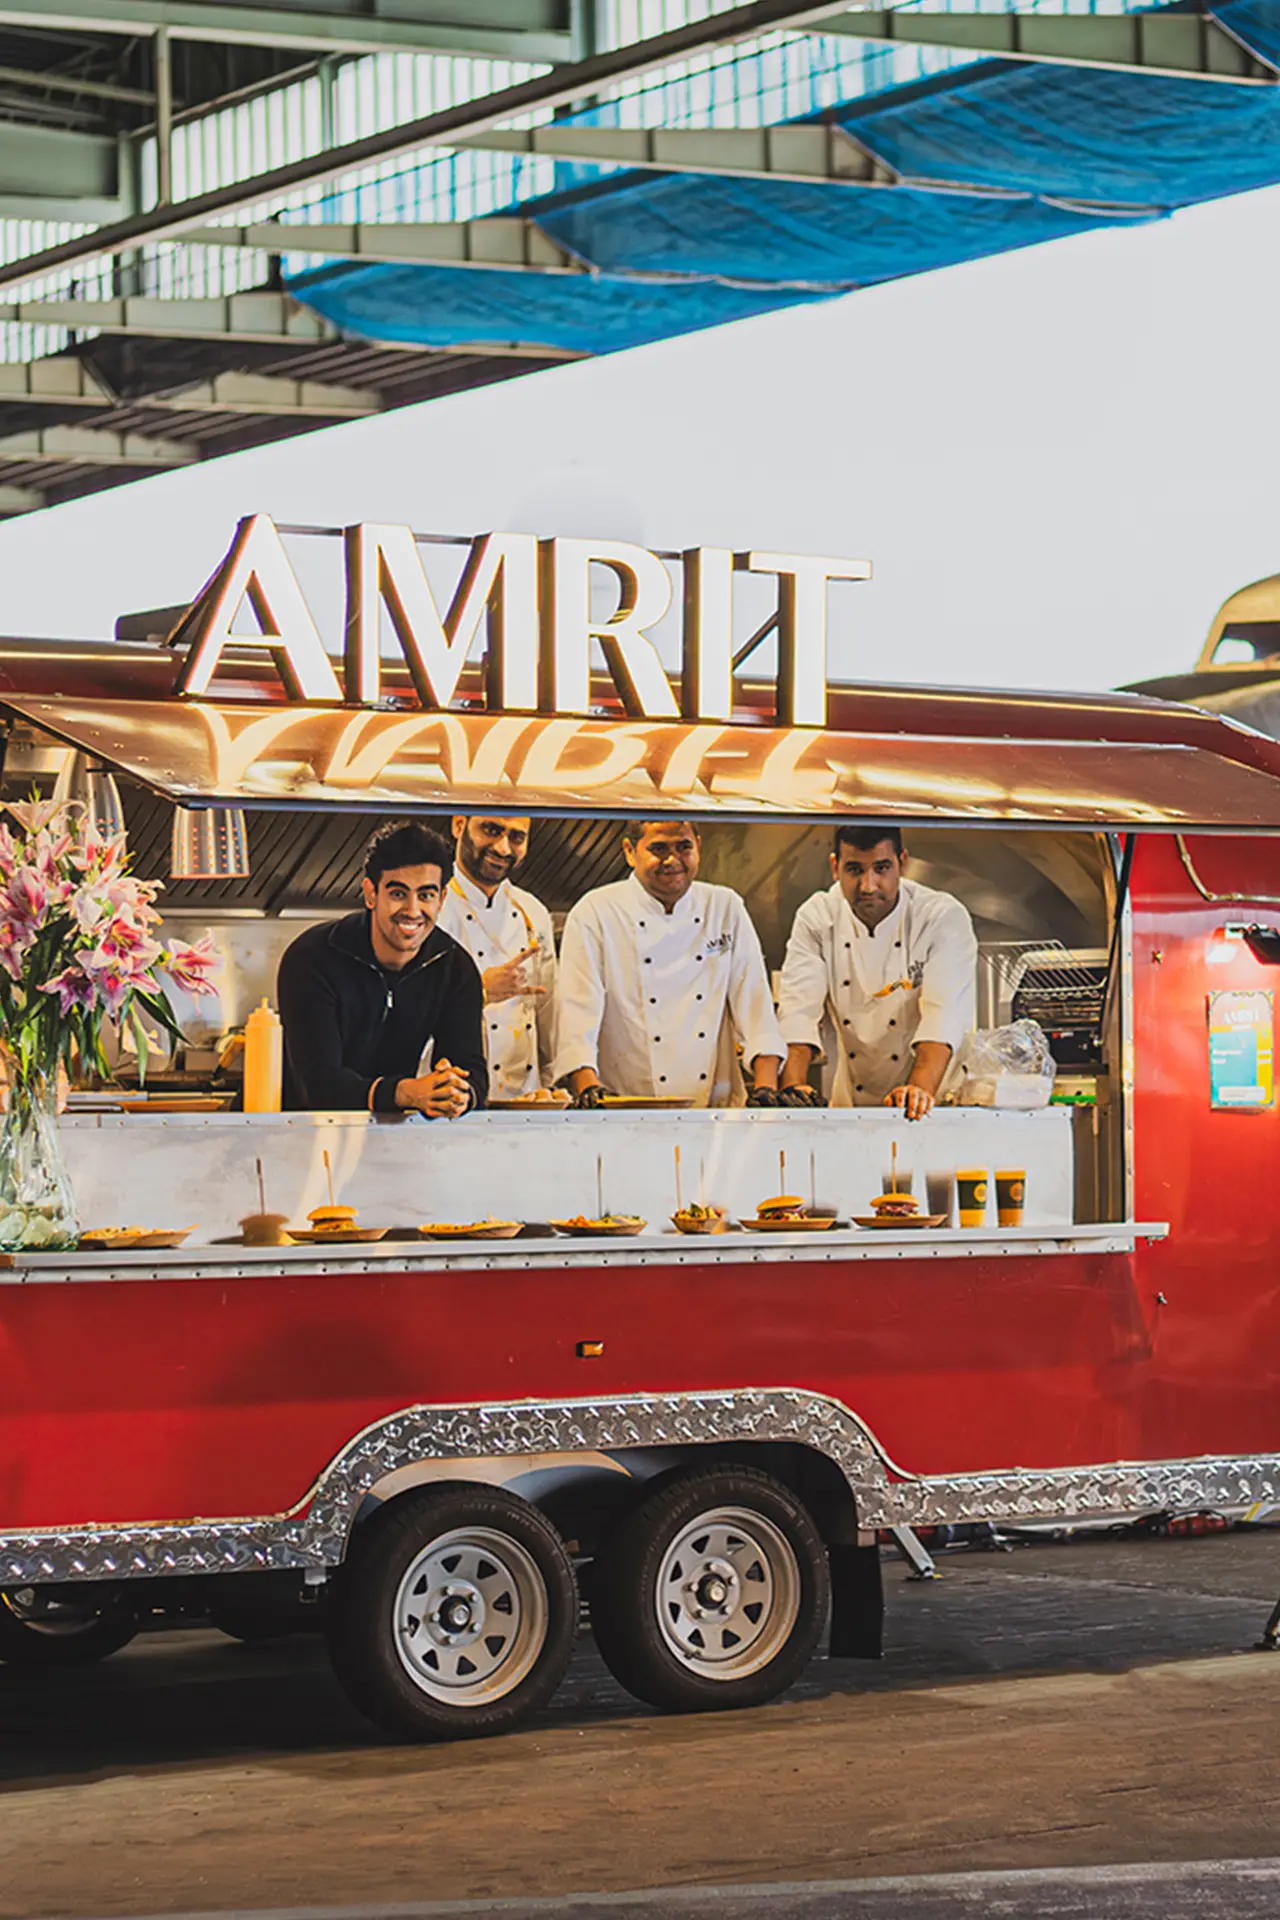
{"x":658,"y":974}
{"x":888,"y":968}
{"x":508,"y":934}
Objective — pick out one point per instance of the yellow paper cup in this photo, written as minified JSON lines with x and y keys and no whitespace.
{"x":1011,"y":1190}
{"x":971,"y":1195}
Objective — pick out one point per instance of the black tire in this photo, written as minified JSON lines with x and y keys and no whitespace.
{"x":690,"y":1647}
{"x":39,"y":1633}
{"x":510,"y":1573}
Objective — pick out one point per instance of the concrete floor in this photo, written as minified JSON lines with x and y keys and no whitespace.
{"x":1056,"y":1707}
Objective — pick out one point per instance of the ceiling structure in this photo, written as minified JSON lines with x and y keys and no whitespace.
{"x":223,"y":224}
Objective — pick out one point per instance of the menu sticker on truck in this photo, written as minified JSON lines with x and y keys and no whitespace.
{"x":1241,"y":1050}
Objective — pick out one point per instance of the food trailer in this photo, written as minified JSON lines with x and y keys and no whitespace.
{"x":433,"y":1446}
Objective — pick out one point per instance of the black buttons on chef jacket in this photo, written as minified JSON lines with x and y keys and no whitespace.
{"x":893,"y":1056}
{"x":893,"y":1023}
{"x":662,"y":1076}
{"x":844,"y":983}
{"x":702,"y":1036}
{"x":657,"y":1039}
{"x":857,"y":1089}
{"x":702,"y":1076}
{"x":652,"y":1001}
{"x":846,"y":1023}
{"x":647,"y":961}
{"x":697,"y":996}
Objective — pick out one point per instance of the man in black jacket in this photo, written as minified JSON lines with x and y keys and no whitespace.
{"x":362,"y":998}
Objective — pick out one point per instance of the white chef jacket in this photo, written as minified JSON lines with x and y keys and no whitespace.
{"x":877,"y":994}
{"x":519,"y":1033}
{"x":645,"y":995}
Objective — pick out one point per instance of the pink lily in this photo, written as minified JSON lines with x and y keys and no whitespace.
{"x":73,"y":987}
{"x":25,"y":900}
{"x":189,"y":967}
{"x":32,"y":815}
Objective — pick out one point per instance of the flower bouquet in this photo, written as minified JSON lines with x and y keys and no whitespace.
{"x":77,"y":947}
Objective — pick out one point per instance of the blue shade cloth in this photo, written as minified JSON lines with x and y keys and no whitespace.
{"x":451,"y":306}
{"x":811,"y":238}
{"x":1069,"y":149}
{"x":1257,"y":23}
{"x":1132,"y":139}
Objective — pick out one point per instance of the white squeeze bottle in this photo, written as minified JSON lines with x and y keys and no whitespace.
{"x":263,"y":1060}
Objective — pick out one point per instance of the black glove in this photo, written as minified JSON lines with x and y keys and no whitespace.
{"x":801,"y":1096}
{"x":590,"y":1098}
{"x":763,"y":1097}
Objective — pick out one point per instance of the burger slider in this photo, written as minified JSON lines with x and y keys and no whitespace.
{"x":895,"y":1206}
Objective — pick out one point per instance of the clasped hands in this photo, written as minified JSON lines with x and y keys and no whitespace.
{"x":443,"y":1094}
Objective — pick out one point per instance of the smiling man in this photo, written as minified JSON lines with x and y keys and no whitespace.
{"x":382,"y":1009}
{"x":659,"y":975}
{"x":889,"y":967}
{"x":508,"y":934}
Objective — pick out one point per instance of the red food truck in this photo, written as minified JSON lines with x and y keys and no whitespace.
{"x":438,"y":1444}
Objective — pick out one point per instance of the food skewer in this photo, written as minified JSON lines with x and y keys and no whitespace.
{"x":599,"y":1186}
{"x":893,"y":1166}
{"x":262,"y":1189}
{"x":328,"y":1174}
{"x":782,"y":1172}
{"x":679,"y":1199}
{"x":813,"y":1181}
{"x":702,"y":1182}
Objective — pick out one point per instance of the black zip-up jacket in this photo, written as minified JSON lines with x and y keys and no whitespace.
{"x":350,"y":1025}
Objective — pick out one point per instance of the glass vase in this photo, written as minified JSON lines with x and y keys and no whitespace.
{"x":37,"y":1206}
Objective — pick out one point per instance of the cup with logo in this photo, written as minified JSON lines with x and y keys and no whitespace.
{"x":971,"y":1195}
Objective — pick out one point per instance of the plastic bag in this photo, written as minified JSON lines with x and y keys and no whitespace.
{"x":1007,"y":1067}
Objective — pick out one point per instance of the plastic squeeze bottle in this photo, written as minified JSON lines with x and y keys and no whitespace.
{"x":263,"y":1060}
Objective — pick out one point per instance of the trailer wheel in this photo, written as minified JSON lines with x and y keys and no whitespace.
{"x":38,"y":1632}
{"x":711,"y":1593}
{"x":454,"y":1614}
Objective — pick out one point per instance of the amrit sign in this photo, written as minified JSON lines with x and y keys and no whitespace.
{"x":534,"y":599}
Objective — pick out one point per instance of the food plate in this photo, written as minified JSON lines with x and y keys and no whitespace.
{"x":617,"y":1229}
{"x":706,"y":1223}
{"x":800,"y":1223}
{"x":556,"y":1104}
{"x":109,"y":1239}
{"x":474,"y":1230}
{"x":641,"y":1100}
{"x":345,"y":1237}
{"x":899,"y":1220}
{"x":172,"y":1237}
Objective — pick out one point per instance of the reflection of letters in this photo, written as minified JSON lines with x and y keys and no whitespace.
{"x":256,"y":569}
{"x":617,"y":751}
{"x":384,"y":567}
{"x":469,"y":754}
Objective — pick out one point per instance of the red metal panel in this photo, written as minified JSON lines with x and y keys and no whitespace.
{"x":1211,"y":1385}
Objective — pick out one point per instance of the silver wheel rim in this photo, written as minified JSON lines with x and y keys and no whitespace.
{"x":470,"y":1617}
{"x":727,"y":1593}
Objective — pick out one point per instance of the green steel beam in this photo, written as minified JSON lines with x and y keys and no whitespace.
{"x":19,"y":500}
{"x":259,"y":318}
{"x":499,"y":241}
{"x":536,"y":31}
{"x":92,"y":447}
{"x":57,"y":166}
{"x":60,"y":381}
{"x":824,"y":152}
{"x":1187,"y":45}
